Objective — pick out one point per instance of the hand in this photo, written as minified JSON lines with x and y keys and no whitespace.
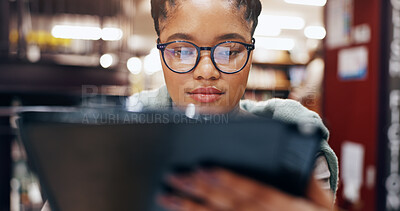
{"x":221,"y":190}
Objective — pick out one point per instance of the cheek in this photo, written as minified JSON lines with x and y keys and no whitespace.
{"x":172,"y":80}
{"x":169,"y":76}
{"x":238,"y":81}
{"x":237,"y":86}
{"x":175,"y":84}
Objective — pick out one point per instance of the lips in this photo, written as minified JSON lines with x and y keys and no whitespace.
{"x":206,"y":94}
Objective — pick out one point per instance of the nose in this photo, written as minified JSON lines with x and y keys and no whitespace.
{"x":205,"y":69}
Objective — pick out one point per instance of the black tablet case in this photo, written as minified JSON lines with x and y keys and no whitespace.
{"x":102,"y":160}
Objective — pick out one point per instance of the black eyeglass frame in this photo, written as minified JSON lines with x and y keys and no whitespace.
{"x":163,"y":46}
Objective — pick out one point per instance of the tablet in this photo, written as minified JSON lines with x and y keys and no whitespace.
{"x":116,"y":160}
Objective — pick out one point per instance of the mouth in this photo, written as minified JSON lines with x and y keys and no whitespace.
{"x":206,"y":94}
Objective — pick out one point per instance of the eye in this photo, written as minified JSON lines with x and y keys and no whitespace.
{"x":229,"y":50}
{"x":233,"y":52}
{"x":183,"y":51}
{"x":229,"y":53}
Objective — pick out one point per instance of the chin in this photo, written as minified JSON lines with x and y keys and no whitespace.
{"x":221,"y":106}
{"x":207,"y":108}
{"x":211,"y":109}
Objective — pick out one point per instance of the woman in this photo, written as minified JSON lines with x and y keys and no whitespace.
{"x":206,"y":51}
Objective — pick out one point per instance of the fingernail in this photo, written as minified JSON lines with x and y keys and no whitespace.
{"x":183,"y":182}
{"x":170,"y":202}
{"x":209,"y":176}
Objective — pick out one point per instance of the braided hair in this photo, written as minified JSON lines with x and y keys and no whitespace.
{"x":252,"y":8}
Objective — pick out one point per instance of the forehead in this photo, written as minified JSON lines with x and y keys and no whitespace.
{"x":205,"y":20}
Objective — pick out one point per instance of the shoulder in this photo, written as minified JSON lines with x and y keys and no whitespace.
{"x":152,"y":99}
{"x":289,"y":111}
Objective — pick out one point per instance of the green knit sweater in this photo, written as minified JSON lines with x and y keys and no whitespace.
{"x":289,"y":111}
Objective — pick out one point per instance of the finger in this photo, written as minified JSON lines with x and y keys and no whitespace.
{"x":175,"y":203}
{"x":186,"y":184}
{"x":295,"y":204}
{"x":318,"y":195}
{"x":224,"y":190}
{"x":237,"y":185}
{"x":229,"y":191}
{"x":244,"y":187}
{"x":206,"y":188}
{"x":249,"y":193}
{"x":207,"y":183}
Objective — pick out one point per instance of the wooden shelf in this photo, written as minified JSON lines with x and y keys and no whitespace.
{"x":268,"y":79}
{"x":43,"y":78}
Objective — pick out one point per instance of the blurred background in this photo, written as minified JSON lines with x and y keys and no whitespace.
{"x":340,"y":58}
{"x":116,"y":41}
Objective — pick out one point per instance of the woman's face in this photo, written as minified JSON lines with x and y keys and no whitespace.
{"x":206,"y":23}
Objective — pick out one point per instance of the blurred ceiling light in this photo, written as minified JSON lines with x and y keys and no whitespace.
{"x":107,"y":60}
{"x":152,"y":62}
{"x":111,"y":34}
{"x":77,"y":60}
{"x":274,"y":22}
{"x":76,"y":32}
{"x":262,"y":55}
{"x":33,"y":53}
{"x":319,"y":3}
{"x":265,"y":30}
{"x":134,"y":65}
{"x":289,"y":22}
{"x":315,"y":32}
{"x":86,"y":33}
{"x":272,"y":43}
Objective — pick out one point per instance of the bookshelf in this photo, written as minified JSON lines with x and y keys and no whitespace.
{"x":272,"y":80}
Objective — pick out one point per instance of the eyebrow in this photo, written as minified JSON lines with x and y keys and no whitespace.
{"x":184,"y":36}
{"x":231,"y":36}
{"x":180,"y":36}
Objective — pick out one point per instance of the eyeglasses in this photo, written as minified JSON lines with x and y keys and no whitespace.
{"x":228,"y":57}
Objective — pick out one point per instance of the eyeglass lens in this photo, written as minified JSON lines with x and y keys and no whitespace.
{"x":228,"y":57}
